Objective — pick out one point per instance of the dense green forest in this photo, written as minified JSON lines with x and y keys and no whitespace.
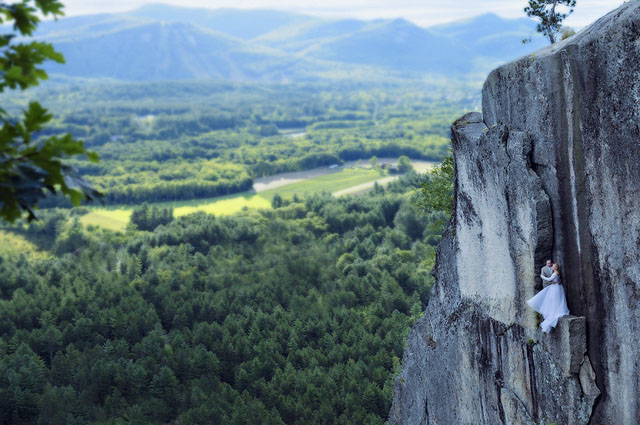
{"x":293,"y":315}
{"x":181,"y":141}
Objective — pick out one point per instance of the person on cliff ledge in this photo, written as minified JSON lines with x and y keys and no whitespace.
{"x":545,"y":273}
{"x":551,"y":301}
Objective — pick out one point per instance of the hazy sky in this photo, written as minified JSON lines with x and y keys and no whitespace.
{"x":423,"y":12}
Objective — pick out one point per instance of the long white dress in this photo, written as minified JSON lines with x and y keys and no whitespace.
{"x":551,"y":303}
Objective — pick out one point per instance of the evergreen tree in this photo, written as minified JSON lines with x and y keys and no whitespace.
{"x":145,"y":218}
{"x":404,"y":164}
{"x":276,"y":201}
{"x":550,"y":16}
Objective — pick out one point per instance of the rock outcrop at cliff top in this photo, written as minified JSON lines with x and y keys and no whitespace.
{"x":550,"y":169}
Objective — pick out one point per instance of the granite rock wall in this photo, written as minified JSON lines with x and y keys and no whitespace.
{"x":551,"y":168}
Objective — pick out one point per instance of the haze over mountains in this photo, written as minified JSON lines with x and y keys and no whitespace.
{"x":161,"y":42}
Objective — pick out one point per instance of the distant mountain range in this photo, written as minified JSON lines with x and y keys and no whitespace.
{"x":162,"y":42}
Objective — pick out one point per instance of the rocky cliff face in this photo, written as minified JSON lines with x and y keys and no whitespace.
{"x":550,"y":169}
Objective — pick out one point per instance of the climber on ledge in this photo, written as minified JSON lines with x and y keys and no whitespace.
{"x":551,"y":301}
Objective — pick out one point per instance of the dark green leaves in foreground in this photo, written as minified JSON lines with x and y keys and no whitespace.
{"x":31,"y":166}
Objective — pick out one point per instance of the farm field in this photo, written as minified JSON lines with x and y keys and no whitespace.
{"x":338,"y":182}
{"x":331,"y":183}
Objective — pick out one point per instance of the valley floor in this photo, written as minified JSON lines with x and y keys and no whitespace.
{"x":349,"y":179}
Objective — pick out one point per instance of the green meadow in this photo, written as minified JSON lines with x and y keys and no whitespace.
{"x":116,"y":217}
{"x":331,"y":183}
{"x":15,"y":243}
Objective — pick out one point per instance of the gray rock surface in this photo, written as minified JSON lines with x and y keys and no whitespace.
{"x":551,"y":168}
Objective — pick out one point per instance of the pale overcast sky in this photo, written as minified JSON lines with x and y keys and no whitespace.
{"x":422,"y":12}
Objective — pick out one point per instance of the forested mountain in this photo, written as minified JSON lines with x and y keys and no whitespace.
{"x":167,"y":42}
{"x":396,"y":44}
{"x":172,"y":51}
{"x":490,"y":36}
{"x":244,"y":24}
{"x":297,"y":37}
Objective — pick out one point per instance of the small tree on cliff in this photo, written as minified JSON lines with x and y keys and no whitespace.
{"x":436,"y":195}
{"x":550,"y":13}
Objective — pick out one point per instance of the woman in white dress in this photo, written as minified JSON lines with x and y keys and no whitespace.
{"x":551,"y":301}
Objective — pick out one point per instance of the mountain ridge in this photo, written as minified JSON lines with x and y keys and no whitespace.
{"x":270,"y":45}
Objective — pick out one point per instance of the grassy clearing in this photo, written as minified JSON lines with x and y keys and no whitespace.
{"x":117,"y":217}
{"x":331,"y":183}
{"x":14,"y":244}
{"x":230,"y":205}
{"x":113,"y":219}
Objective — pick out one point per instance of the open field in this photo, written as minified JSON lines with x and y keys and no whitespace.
{"x":109,"y":218}
{"x":337,"y":181}
{"x":14,"y":243}
{"x":354,"y":190}
{"x":282,"y":179}
{"x":345,"y":178}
